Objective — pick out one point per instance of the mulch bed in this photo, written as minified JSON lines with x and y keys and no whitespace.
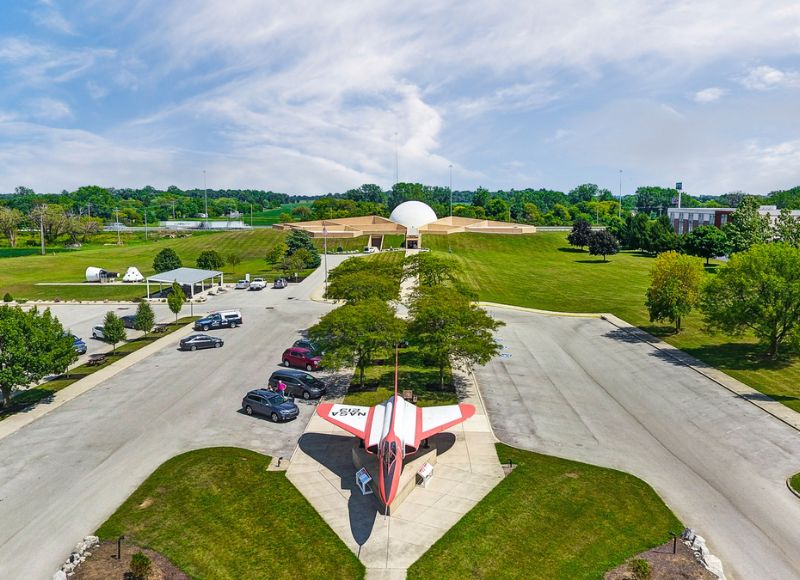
{"x":665,"y":565}
{"x":103,"y":564}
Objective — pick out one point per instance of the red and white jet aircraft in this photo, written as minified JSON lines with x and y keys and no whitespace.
{"x":393,"y":429}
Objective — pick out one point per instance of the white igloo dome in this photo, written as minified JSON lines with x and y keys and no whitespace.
{"x":413,"y":214}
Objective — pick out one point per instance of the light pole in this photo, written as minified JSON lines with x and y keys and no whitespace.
{"x":205,"y":193}
{"x":119,"y":242}
{"x":619,"y":209}
{"x":145,"y":224}
{"x":451,"y":190}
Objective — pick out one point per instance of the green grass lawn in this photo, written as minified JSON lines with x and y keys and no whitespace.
{"x":795,"y":482}
{"x":543,"y":271}
{"x":551,"y":518}
{"x":19,"y":275}
{"x":218,"y":513}
{"x":28,"y":397}
{"x":413,"y":374}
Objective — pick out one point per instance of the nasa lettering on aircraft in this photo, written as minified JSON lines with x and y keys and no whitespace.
{"x":351,"y":411}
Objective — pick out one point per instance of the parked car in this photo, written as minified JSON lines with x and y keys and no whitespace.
{"x":223,"y":319}
{"x":198,"y":341}
{"x":258,"y":284}
{"x":280,"y":283}
{"x":97,"y":332}
{"x":298,"y":383}
{"x":78,"y":344}
{"x":128,"y":321}
{"x":301,"y":357}
{"x":371,"y":250}
{"x":305,"y":343}
{"x":264,"y":402}
{"x":242,"y":285}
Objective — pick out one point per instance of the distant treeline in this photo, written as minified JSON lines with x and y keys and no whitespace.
{"x":535,"y":206}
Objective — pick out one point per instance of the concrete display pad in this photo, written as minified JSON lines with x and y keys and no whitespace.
{"x":466,"y":470}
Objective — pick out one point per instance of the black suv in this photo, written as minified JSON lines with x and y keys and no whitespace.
{"x":218,"y":321}
{"x":265,"y":402}
{"x":298,"y":383}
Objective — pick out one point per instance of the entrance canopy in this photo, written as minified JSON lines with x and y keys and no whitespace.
{"x":185,"y":277}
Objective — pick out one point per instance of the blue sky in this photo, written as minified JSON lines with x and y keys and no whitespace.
{"x":314,"y":97}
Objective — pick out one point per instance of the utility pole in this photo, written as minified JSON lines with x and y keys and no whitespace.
{"x":41,"y":226}
{"x":89,"y":205}
{"x":145,"y":224}
{"x":451,"y":190}
{"x":173,"y":209}
{"x":619,"y":209}
{"x":119,"y":242}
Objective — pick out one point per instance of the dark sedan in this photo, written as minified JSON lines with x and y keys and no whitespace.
{"x":280,"y":283}
{"x":128,"y":321}
{"x":198,"y":341}
{"x":298,"y":384}
{"x":273,"y":405}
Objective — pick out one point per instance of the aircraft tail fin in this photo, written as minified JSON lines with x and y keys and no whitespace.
{"x":396,"y":367}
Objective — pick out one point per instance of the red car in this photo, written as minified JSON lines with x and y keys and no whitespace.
{"x":301,"y":357}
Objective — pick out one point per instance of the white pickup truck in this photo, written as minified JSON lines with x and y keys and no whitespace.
{"x":258,"y":284}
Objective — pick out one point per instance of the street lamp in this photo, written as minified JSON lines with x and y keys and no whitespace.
{"x":451,"y":190}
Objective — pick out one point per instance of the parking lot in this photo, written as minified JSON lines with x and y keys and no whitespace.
{"x":582,"y":389}
{"x":64,"y":474}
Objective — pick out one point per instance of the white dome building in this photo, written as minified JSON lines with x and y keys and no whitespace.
{"x":413,"y":214}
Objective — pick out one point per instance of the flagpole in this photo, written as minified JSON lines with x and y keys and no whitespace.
{"x":325,"y":257}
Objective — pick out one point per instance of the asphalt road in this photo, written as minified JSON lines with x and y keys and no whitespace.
{"x":581,"y":389}
{"x":64,"y":474}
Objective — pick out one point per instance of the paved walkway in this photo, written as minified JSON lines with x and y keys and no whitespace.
{"x":466,"y":470}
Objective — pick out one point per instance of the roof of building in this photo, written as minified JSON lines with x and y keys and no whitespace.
{"x":184,"y":276}
{"x":413,"y":214}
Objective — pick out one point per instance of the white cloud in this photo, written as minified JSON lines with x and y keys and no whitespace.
{"x":96,"y":91}
{"x":709,"y":95}
{"x":766,"y":77}
{"x":38,"y":63}
{"x":48,"y":109}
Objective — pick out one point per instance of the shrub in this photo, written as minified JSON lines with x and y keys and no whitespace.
{"x":640,"y":568}
{"x":140,"y":566}
{"x":8,"y":297}
{"x":339,"y":249}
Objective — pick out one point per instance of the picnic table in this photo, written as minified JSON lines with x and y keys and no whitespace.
{"x":160,"y":329}
{"x":97,"y":359}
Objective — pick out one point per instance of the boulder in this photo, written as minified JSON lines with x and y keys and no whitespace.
{"x":714,"y":565}
{"x":60,"y":575}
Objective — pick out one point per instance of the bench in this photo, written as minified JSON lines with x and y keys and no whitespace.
{"x":161,"y":329}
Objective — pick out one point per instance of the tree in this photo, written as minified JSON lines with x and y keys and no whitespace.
{"x":145,"y":318}
{"x":747,"y":227}
{"x":234,"y":259}
{"x":481,"y":197}
{"x":166,"y":260}
{"x":603,"y":243}
{"x":431,"y":269}
{"x":580,"y":234}
{"x":301,"y":212}
{"x":210,"y":260}
{"x":362,"y":285}
{"x":447,"y":327}
{"x":675,"y":282}
{"x":176,"y":299}
{"x":32,"y":346}
{"x":10,"y":219}
{"x":706,"y":242}
{"x":305,"y":257}
{"x":787,"y":228}
{"x":301,"y":239}
{"x":113,"y":329}
{"x":585,"y":192}
{"x":660,"y":236}
{"x":276,"y":253}
{"x":353,"y":333}
{"x":498,"y":210}
{"x":758,"y":290}
{"x":51,"y":219}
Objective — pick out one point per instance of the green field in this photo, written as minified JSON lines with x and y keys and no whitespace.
{"x":543,"y":271}
{"x":42,"y":393}
{"x":20,"y":275}
{"x":551,"y":518}
{"x":218,"y":513}
{"x":795,"y":482}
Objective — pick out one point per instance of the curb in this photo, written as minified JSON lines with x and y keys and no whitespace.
{"x":544,"y":312}
{"x":789,"y":485}
{"x":19,"y":420}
